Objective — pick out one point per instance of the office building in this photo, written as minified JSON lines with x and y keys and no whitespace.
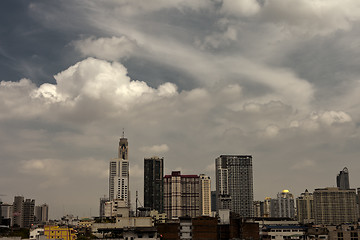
{"x":234,"y":184}
{"x":18,"y":211}
{"x":333,"y":206}
{"x":342,"y":179}
{"x":41,"y":213}
{"x":205,"y":195}
{"x":283,"y":206}
{"x":181,"y":195}
{"x":154,"y":183}
{"x":119,"y":174}
{"x":305,"y":207}
{"x":28,"y":212}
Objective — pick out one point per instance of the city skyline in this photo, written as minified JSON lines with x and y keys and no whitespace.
{"x":188,"y":81}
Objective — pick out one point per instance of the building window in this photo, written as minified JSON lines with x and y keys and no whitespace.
{"x":340,"y":236}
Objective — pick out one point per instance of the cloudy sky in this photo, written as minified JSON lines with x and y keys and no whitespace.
{"x":188,"y":81}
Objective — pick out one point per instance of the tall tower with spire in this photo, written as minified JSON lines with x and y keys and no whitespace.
{"x":119,"y":173}
{"x":123,"y":147}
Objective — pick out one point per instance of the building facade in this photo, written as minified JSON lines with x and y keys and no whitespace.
{"x":333,"y":206}
{"x":205,"y":195}
{"x":154,"y":183}
{"x":41,"y":213}
{"x":234,"y":184}
{"x":28,"y":212}
{"x":283,"y":206}
{"x":342,"y":179}
{"x":18,"y":211}
{"x":119,"y":174}
{"x":305,"y":207}
{"x":181,"y":195}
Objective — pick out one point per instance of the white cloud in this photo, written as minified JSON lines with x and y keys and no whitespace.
{"x":112,"y":49}
{"x":312,"y":16}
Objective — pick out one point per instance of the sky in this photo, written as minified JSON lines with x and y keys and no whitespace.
{"x":187,"y":81}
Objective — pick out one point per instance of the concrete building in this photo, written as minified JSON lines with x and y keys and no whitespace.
{"x":119,"y":174}
{"x":234,"y":184}
{"x":154,"y":183}
{"x":181,"y":195}
{"x":333,"y":206}
{"x":7,"y":213}
{"x":213,"y":201}
{"x":56,"y":232}
{"x":283,"y":206}
{"x":342,"y":179}
{"x":258,"y":209}
{"x":267,"y":207}
{"x":344,"y":232}
{"x":205,"y":195}
{"x":41,"y":213}
{"x":28,"y":212}
{"x":18,"y":211}
{"x":103,"y":200}
{"x":116,"y":208}
{"x":305,"y":207}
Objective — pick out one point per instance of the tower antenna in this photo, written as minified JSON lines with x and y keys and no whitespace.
{"x":123,"y":133}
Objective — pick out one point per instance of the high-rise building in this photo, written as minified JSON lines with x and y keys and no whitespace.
{"x":154,"y":183}
{"x":41,"y":213}
{"x":119,"y":174}
{"x":305,"y":207}
{"x":213,"y":201}
{"x":258,"y":209}
{"x":342,"y":179}
{"x":283,"y":205}
{"x":205,"y":195}
{"x":28,"y":212}
{"x":18,"y":211}
{"x":234,"y":184}
{"x":181,"y":195}
{"x":267,"y":207}
{"x":333,"y":206}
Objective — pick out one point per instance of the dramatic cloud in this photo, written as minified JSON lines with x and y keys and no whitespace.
{"x":187,"y":81}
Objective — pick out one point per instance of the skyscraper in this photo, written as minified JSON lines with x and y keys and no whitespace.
{"x":154,"y":183}
{"x":283,"y":205}
{"x":181,"y":195}
{"x":28,"y":212}
{"x":119,"y":173}
{"x":305,"y":207}
{"x":342,"y":179}
{"x":334,"y":206}
{"x":18,"y":206}
{"x":205,"y":195}
{"x":234,"y":184}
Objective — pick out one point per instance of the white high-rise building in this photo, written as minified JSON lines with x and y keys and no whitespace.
{"x":119,"y":174}
{"x":205,"y":195}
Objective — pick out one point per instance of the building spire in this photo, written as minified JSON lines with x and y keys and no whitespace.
{"x":123,"y":133}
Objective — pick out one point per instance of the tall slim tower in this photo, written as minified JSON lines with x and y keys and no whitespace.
{"x":342,"y":179}
{"x":119,"y":173}
{"x":234,"y":184}
{"x":154,"y":183}
{"x":205,"y":195}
